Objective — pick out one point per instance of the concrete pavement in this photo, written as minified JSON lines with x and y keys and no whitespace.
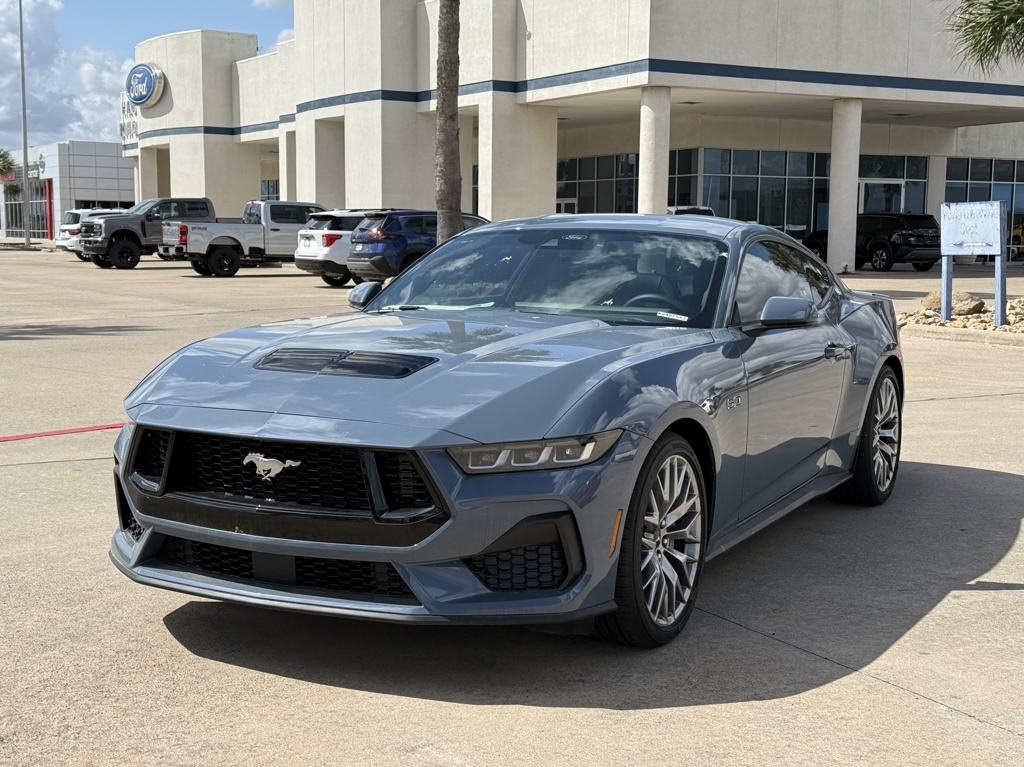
{"x":837,"y":636}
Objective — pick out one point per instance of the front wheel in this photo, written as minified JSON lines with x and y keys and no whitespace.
{"x":100,"y":261}
{"x":662,"y":553}
{"x":200,"y":268}
{"x":924,"y":267}
{"x":124,"y":254}
{"x":81,"y":256}
{"x":881,"y":258}
{"x":878,"y":451}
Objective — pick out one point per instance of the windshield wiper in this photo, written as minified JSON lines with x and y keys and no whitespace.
{"x":400,"y":308}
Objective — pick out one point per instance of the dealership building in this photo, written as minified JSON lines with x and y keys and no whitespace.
{"x":795,"y":113}
{"x":63,"y":176}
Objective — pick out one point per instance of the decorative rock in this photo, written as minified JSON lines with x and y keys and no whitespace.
{"x":932,"y":302}
{"x":967,"y":303}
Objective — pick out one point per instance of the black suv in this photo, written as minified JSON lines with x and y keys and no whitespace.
{"x":884,"y":239}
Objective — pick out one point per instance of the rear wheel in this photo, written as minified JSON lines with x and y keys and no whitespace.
{"x":223,"y":262}
{"x":124,"y":254}
{"x":878,"y":450}
{"x":81,"y":256}
{"x":339,"y":280}
{"x":662,"y":553}
{"x":924,"y":266}
{"x":100,"y":261}
{"x":200,"y":268}
{"x":881,"y":257}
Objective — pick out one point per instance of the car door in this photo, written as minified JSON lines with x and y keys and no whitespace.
{"x":283,"y":227}
{"x":152,"y":222}
{"x":795,"y":375}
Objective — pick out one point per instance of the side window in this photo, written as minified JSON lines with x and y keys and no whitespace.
{"x":196,"y":209}
{"x":413,"y":224}
{"x":251,"y":214}
{"x":769,"y":269}
{"x":430,"y":226}
{"x":348,"y":224}
{"x":468,"y":222}
{"x":167,"y":209}
{"x":287,"y":214}
{"x":818,"y":275}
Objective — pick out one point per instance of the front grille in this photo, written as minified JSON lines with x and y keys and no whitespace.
{"x":378,"y":578}
{"x":403,"y":484}
{"x":152,"y":454}
{"x":342,"y":577}
{"x":132,"y":527}
{"x":527,"y":568}
{"x":318,"y":476}
{"x":89,"y":229}
{"x":208,"y":558}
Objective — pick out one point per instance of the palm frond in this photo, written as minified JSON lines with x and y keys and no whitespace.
{"x":988,"y":32}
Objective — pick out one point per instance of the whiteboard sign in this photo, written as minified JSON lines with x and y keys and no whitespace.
{"x":972,"y":228}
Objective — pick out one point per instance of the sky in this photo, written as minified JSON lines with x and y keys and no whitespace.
{"x":77,"y":53}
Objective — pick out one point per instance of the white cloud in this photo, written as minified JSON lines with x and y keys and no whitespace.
{"x":271,"y":3}
{"x":285,"y":35}
{"x":71,"y":94}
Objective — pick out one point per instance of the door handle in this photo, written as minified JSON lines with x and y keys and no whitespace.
{"x":834,"y":351}
{"x":274,"y":229}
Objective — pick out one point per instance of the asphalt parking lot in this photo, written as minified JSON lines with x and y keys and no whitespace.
{"x":892,"y":635}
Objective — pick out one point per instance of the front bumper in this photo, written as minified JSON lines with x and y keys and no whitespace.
{"x":315,"y":265}
{"x":94,"y":246}
{"x":445,"y":571}
{"x":910,"y":254}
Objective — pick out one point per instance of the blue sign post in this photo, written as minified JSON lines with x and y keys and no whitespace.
{"x":144,"y":85}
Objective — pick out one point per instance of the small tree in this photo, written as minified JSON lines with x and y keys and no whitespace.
{"x":447,"y":173}
{"x":988,"y":31}
{"x":6,"y":162}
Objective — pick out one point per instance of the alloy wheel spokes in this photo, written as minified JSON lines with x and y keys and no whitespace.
{"x":671,"y":540}
{"x":886,"y":436}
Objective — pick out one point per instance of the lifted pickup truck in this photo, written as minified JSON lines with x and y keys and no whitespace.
{"x":266,"y":235}
{"x":120,"y":240}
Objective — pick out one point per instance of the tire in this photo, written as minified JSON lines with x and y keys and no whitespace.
{"x":223,"y":262}
{"x":81,"y":256}
{"x":644,"y":551}
{"x":923,"y":267}
{"x":124,"y":254}
{"x":336,"y":280}
{"x":100,"y":261}
{"x":880,"y":257}
{"x":865,"y":488}
{"x":200,"y":268}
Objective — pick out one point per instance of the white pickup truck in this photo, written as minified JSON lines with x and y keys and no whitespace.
{"x":266,"y":235}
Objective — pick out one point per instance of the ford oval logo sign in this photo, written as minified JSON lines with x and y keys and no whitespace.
{"x":144,"y":85}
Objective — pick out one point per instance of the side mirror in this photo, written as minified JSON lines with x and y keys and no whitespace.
{"x":152,"y":215}
{"x":784,"y":311}
{"x":363,"y":293}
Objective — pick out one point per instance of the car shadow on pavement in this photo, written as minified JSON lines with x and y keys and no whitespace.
{"x":809,"y":600}
{"x":45,"y":330}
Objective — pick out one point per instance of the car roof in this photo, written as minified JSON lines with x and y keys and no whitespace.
{"x":338,"y":212}
{"x":714,"y":226}
{"x":408,"y":212}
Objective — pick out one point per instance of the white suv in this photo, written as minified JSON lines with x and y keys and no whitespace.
{"x":323,"y":245}
{"x":67,"y":235}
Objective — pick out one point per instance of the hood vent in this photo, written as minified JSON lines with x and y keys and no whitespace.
{"x":344,"y":363}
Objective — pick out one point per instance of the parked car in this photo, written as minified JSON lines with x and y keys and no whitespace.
{"x":389,"y":241}
{"x":690,"y":210}
{"x":884,"y":239}
{"x":70,"y":228}
{"x":121,"y":240}
{"x":265,"y":235}
{"x":323,"y":246}
{"x":580,"y":411}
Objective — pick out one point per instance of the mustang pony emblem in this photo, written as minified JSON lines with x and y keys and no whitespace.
{"x":267,"y":468}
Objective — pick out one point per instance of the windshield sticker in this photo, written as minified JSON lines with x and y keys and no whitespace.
{"x":676,"y":317}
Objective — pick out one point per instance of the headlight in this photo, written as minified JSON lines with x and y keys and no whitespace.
{"x":124,"y":438}
{"x":561,"y":453}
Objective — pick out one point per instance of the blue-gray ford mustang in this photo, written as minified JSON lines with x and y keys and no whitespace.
{"x":544,"y":420}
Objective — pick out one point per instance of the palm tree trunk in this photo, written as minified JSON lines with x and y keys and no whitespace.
{"x":447,"y":173}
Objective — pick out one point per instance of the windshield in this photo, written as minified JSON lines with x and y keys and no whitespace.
{"x":141,"y":207}
{"x":621,"y":277}
{"x":71,"y":217}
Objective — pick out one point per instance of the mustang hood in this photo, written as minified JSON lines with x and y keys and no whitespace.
{"x":485,"y":377}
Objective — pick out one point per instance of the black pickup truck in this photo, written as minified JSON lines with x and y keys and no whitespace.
{"x":122,"y":239}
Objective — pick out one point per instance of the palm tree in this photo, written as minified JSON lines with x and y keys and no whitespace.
{"x":988,"y":31}
{"x":6,"y":162}
{"x":447,"y":173}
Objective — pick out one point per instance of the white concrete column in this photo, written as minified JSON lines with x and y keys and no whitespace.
{"x":147,"y":176}
{"x":467,"y":159}
{"x":286,"y":164}
{"x":518,"y":157}
{"x":320,"y":161}
{"x":935,"y":191}
{"x":842,"y":185}
{"x":655,"y":125}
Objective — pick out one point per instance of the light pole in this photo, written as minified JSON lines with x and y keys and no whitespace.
{"x":24,"y":127}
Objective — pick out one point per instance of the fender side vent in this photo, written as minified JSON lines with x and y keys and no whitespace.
{"x":345,"y":363}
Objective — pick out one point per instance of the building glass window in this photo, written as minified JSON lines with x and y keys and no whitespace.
{"x":773,"y":163}
{"x":883,"y":166}
{"x":682,"y":182}
{"x":270,"y":189}
{"x":917,"y":168}
{"x":956,"y":169}
{"x":981,"y":170}
{"x":744,"y":198}
{"x":717,"y":161}
{"x":1002,"y":170}
{"x":744,"y":162}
